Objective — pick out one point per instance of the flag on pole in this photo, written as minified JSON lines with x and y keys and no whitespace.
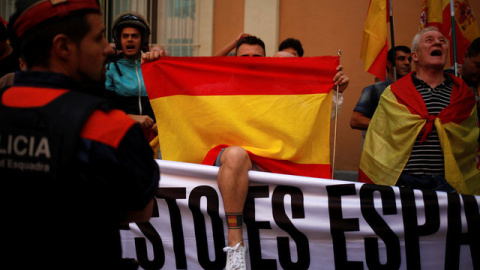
{"x":374,"y":39}
{"x":437,"y":13}
{"x":278,"y":109}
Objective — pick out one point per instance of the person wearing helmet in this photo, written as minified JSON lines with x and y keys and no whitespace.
{"x":73,"y":169}
{"x":124,"y":83}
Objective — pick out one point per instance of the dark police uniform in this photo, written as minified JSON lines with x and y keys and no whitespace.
{"x":69,"y":168}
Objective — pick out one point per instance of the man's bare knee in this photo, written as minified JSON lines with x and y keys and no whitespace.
{"x":237,"y":157}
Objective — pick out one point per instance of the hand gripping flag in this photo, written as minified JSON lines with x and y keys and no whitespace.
{"x":402,"y":115}
{"x":278,"y":109}
{"x":437,"y":13}
{"x":374,"y":39}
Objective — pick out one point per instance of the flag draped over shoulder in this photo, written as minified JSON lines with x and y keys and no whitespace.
{"x":374,"y":39}
{"x":278,"y":109}
{"x":437,"y":13}
{"x":402,"y":115}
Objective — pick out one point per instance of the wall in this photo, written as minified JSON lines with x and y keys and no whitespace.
{"x":227,"y":22}
{"x":324,"y":27}
{"x":334,"y":25}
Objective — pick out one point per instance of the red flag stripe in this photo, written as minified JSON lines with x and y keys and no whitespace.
{"x":460,"y":107}
{"x":378,"y":67}
{"x":277,"y":166}
{"x":239,"y":76}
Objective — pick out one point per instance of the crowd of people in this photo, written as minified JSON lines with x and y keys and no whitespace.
{"x":76,"y":123}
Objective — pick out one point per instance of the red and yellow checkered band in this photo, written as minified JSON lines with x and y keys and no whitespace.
{"x":234,"y":220}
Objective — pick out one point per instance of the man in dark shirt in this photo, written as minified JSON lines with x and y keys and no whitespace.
{"x":368,"y":101}
{"x":470,"y":70}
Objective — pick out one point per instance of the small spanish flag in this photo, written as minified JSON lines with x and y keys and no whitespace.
{"x":278,"y":109}
{"x":374,"y":39}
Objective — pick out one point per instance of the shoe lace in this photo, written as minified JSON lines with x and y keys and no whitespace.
{"x":235,"y":256}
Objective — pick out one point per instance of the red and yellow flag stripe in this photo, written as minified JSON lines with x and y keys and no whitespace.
{"x":278,"y":109}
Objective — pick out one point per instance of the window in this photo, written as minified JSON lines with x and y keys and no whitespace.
{"x":176,"y":26}
{"x":172,"y":22}
{"x":7,"y":8}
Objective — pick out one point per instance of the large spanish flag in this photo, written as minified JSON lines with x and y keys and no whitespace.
{"x":437,"y":13}
{"x":401,"y":116}
{"x":374,"y":39}
{"x":278,"y":109}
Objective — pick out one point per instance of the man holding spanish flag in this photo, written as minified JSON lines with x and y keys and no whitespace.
{"x":235,"y":162}
{"x":424,"y":132}
{"x":243,"y":113}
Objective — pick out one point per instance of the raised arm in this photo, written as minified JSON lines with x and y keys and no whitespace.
{"x":230,"y":46}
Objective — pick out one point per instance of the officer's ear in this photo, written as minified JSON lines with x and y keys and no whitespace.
{"x":62,"y":47}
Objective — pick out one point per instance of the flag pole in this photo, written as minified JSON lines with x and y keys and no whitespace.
{"x":454,"y":38}
{"x":392,"y":39}
{"x":336,"y":123}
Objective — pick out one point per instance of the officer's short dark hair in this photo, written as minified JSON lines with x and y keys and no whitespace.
{"x":35,"y":43}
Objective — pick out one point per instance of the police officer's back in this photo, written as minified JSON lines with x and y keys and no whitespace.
{"x":72,"y":169}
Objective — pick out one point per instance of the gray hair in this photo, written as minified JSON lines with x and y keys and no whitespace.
{"x":416,"y":39}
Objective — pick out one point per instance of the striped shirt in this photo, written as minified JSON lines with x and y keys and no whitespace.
{"x":427,"y":157}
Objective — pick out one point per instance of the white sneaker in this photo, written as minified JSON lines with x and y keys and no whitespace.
{"x":236,"y":257}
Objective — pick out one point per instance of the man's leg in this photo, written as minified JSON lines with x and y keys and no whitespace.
{"x":233,"y":185}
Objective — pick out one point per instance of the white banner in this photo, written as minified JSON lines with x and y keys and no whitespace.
{"x":293,"y":222}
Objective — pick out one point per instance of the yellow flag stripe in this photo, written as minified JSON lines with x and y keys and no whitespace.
{"x":271,"y":126}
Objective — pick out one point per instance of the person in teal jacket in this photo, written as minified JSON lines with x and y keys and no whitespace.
{"x":124,"y":80}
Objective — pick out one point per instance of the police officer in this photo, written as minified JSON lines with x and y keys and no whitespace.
{"x":72,"y":169}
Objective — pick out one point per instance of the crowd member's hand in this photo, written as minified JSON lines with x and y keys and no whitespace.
{"x":230,"y":46}
{"x":160,"y":49}
{"x":341,"y":80}
{"x":153,"y":55}
{"x":242,"y":35}
{"x":154,"y":129}
{"x":144,"y":120}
